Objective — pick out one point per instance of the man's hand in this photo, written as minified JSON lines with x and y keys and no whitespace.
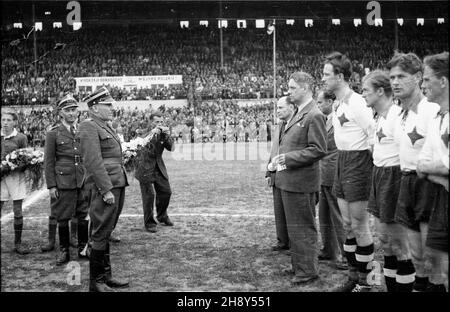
{"x":420,"y":170}
{"x":271,"y":166}
{"x":279,"y":160}
{"x":439,"y":180}
{"x":421,"y":174}
{"x":155,"y":131}
{"x":108,"y":198}
{"x":165,"y":130}
{"x":53,"y":192}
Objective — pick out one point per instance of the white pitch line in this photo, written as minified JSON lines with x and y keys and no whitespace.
{"x":207,"y":215}
{"x":27,"y":203}
{"x":182,"y":215}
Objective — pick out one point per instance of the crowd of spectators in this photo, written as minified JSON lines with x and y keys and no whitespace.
{"x":34,"y":124}
{"x":212,"y":113}
{"x":194,"y":53}
{"x":213,"y":121}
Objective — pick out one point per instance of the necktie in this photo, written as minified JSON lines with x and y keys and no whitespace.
{"x":72,"y":130}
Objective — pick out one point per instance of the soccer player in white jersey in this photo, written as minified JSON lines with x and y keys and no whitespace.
{"x":386,"y":176}
{"x":416,"y":194}
{"x":353,"y":127}
{"x":434,"y":165}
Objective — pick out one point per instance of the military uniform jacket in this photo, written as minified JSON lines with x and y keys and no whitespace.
{"x":102,"y":155}
{"x":304,"y":143}
{"x":62,"y":159}
{"x":150,"y":158}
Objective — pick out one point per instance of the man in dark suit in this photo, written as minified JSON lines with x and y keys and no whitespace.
{"x":280,"y":218}
{"x":152,"y":174}
{"x":64,"y":175}
{"x":106,"y":178}
{"x":330,"y":218}
{"x":294,"y":173}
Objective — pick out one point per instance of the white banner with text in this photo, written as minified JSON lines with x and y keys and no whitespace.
{"x":89,"y":84}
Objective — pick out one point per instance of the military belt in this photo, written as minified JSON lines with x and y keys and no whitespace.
{"x":71,"y":159}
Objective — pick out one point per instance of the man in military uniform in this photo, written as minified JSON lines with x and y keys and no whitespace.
{"x":53,"y":224}
{"x":65,"y":175}
{"x":102,"y":155}
{"x":13,"y":185}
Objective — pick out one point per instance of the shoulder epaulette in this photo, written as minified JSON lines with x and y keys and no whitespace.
{"x":53,"y":127}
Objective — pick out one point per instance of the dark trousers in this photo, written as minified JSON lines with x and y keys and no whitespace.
{"x":160,"y":189}
{"x":104,"y":217}
{"x":280,"y":219}
{"x":299,"y":213}
{"x":70,"y":203}
{"x":331,"y":224}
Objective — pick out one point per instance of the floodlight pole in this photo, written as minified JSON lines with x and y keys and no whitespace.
{"x":274,"y":72}
{"x":396,"y":30}
{"x":221,"y":46}
{"x":396,"y":36}
{"x":221,"y":36}
{"x":34,"y":43}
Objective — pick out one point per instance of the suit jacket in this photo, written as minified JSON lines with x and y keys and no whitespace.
{"x":149,"y":158}
{"x":102,"y":155}
{"x":303,"y":142}
{"x":62,"y":159}
{"x":328,"y":163}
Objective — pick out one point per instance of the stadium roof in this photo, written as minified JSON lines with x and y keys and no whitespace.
{"x":92,"y":11}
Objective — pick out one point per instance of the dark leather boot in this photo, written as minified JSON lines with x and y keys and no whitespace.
{"x":51,"y":238}
{"x":73,"y":234}
{"x":435,"y":288}
{"x":112,"y":282}
{"x":64,"y":243}
{"x":82,"y":238}
{"x":18,"y":247}
{"x":97,"y":281}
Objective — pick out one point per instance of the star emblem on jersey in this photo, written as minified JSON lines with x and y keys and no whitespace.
{"x":444,"y":137}
{"x":414,"y":136}
{"x":380,"y":134}
{"x":342,"y":119}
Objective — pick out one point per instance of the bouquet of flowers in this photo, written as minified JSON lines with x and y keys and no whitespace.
{"x":25,"y":160}
{"x":35,"y":169}
{"x":128,"y":155}
{"x":132,"y":150}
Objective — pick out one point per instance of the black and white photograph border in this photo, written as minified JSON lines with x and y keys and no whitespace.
{"x":213,"y":63}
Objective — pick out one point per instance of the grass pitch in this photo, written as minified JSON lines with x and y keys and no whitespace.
{"x":224,"y":228}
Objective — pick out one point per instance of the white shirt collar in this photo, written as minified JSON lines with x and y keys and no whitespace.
{"x":329,"y":116}
{"x":289,"y":120}
{"x":302,"y":106}
{"x":68,"y":126}
{"x":13,"y":134}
